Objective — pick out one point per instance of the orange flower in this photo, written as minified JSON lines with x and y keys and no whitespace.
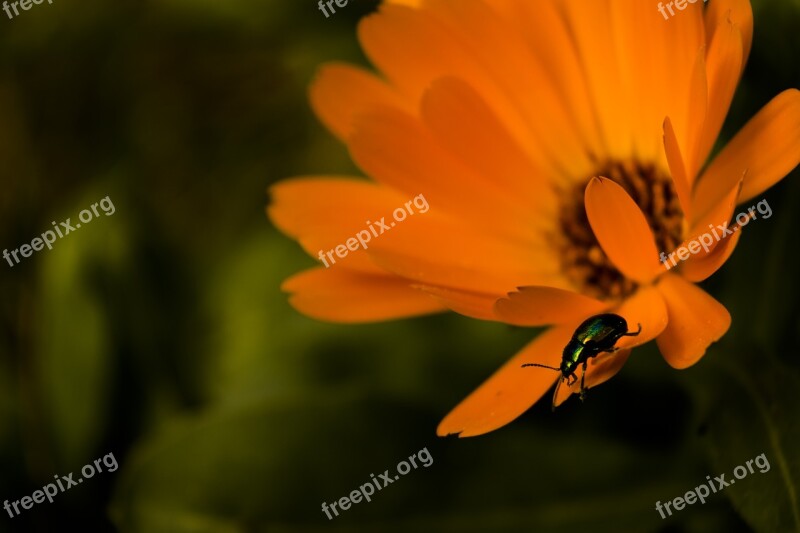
{"x":561,"y":146}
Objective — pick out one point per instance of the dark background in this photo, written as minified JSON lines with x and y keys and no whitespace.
{"x":159,"y":334}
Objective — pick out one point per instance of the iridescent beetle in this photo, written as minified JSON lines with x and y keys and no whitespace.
{"x":595,"y":335}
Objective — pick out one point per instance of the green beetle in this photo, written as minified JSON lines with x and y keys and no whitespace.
{"x":595,"y":335}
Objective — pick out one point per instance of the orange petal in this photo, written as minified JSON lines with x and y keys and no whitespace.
{"x":695,"y":321}
{"x":511,"y":390}
{"x":433,"y":249}
{"x":697,"y":268}
{"x":645,"y":307}
{"x":465,"y":125}
{"x":340,"y":92}
{"x":398,"y":150}
{"x":677,"y":168}
{"x":622,"y":230}
{"x":472,"y":304}
{"x":539,"y":306}
{"x":720,"y":213}
{"x":724,"y":66}
{"x":740,"y":12}
{"x":323,"y":212}
{"x":544,"y":29}
{"x":440,"y":48}
{"x":698,"y":109}
{"x":501,"y":54}
{"x":342,"y":295}
{"x":768,"y":147}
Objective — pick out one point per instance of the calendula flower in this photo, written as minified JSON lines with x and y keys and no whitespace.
{"x":562,"y":146}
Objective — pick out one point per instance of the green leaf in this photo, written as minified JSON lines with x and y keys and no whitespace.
{"x":757,"y":414}
{"x":73,"y":345}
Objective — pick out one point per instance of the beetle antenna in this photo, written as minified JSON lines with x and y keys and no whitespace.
{"x":542,"y":366}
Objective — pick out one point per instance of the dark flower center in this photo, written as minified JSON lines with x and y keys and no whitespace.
{"x":583,"y":261}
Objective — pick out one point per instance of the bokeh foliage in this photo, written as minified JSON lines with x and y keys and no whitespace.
{"x":160,"y":333}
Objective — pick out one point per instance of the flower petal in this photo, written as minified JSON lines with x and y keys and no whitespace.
{"x":697,"y":268}
{"x":501,"y":54}
{"x":740,"y":12}
{"x":621,"y":230}
{"x":695,"y":321}
{"x":398,"y":150}
{"x":440,"y":48}
{"x":511,"y":390}
{"x":539,"y":306}
{"x":698,"y":109}
{"x":434,"y":249}
{"x":767,"y":147}
{"x":322,"y":212}
{"x":645,"y":307}
{"x":720,"y":213}
{"x":472,"y":304}
{"x":544,"y":29}
{"x":465,"y":125}
{"x":724,"y":66}
{"x":677,"y":168}
{"x":340,"y":92}
{"x":342,"y":295}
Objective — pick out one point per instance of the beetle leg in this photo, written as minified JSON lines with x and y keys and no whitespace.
{"x":633,"y":334}
{"x":583,"y":378}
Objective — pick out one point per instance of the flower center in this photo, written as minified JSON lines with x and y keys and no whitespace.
{"x":583,"y":261}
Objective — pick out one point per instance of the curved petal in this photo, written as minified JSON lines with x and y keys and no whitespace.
{"x":461,"y":120}
{"x":500,"y":53}
{"x":677,"y":168}
{"x":323,"y":212}
{"x":544,"y":29}
{"x":472,"y":304}
{"x":433,"y":249}
{"x":645,"y":307}
{"x":740,"y":12}
{"x":698,"y":109}
{"x":719,"y":214}
{"x":441,"y":49}
{"x":767,"y":147}
{"x":342,"y":295}
{"x":398,"y":150}
{"x":539,"y":306}
{"x":724,"y":66}
{"x":695,"y":321}
{"x":340,"y":92}
{"x":621,"y":230}
{"x":697,"y":269}
{"x":511,"y":390}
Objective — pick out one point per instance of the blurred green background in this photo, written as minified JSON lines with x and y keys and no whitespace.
{"x":159,"y":334}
